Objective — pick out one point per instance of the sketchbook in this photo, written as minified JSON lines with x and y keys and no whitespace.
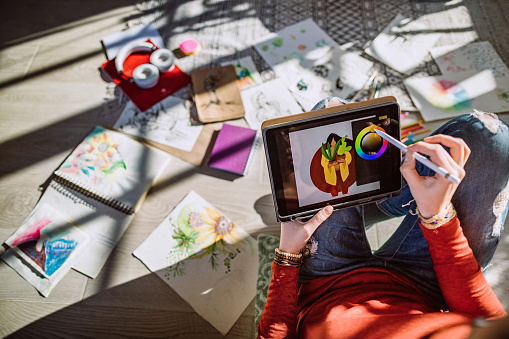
{"x":94,"y":194}
{"x":206,"y":258}
{"x":217,"y":94}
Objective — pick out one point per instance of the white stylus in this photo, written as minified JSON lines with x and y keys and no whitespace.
{"x":423,"y":160}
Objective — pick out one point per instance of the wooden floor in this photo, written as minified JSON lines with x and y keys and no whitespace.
{"x":51,"y":94}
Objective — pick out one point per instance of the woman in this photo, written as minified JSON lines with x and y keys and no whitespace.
{"x":429,"y":265}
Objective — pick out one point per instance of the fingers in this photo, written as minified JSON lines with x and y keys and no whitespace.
{"x":334,"y":102}
{"x":319,"y":218}
{"x":459,"y":150}
{"x":408,"y":170}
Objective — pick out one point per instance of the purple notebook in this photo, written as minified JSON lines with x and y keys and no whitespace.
{"x":232,"y":149}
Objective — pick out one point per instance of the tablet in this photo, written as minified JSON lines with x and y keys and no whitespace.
{"x":332,"y":156}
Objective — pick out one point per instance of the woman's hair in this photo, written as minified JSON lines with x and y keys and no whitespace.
{"x":333,"y":136}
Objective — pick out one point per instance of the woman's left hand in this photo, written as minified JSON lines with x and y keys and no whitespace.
{"x":295,"y":234}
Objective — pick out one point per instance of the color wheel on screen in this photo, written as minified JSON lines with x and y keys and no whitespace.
{"x":449,"y":95}
{"x":376,"y":143}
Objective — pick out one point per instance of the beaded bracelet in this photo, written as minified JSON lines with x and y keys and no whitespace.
{"x":439,"y":219}
{"x":287,"y":259}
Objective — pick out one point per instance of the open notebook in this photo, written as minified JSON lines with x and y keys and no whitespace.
{"x":96,"y":190}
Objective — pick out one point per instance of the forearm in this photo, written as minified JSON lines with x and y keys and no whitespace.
{"x":461,"y":280}
{"x":279,"y":318}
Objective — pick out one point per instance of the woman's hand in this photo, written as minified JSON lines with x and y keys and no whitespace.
{"x":295,"y":234}
{"x":433,"y":194}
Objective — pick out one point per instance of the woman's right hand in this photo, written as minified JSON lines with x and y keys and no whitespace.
{"x":433,"y":194}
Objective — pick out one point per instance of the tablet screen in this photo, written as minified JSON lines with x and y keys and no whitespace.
{"x":336,"y":159}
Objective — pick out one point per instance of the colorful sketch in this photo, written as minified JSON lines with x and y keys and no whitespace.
{"x":325,"y":164}
{"x":468,"y":59}
{"x":96,"y":159}
{"x":247,"y":74}
{"x":267,"y":101}
{"x":206,"y":258}
{"x":332,"y":168}
{"x":304,"y":41}
{"x":403,"y":44}
{"x":449,"y":95}
{"x":47,"y":240}
{"x":167,"y":123}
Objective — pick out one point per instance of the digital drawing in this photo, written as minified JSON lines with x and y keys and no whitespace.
{"x":332,"y":168}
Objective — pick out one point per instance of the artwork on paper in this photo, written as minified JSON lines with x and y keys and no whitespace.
{"x":337,"y":73}
{"x":48,"y":241}
{"x":217,"y":94}
{"x":474,"y":77}
{"x":403,"y":44}
{"x":304,"y":42}
{"x":268,"y":101}
{"x":206,"y":258}
{"x":247,"y":75}
{"x":339,"y":159}
{"x":167,"y":123}
{"x":96,"y":160}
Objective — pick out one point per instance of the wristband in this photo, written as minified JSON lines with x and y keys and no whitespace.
{"x":439,"y":219}
{"x":287,"y":259}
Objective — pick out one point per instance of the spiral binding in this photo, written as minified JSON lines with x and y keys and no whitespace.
{"x":120,"y":206}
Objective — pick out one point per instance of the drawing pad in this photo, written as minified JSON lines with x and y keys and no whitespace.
{"x":307,"y":170}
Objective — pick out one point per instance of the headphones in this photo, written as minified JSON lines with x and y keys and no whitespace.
{"x":146,"y":75}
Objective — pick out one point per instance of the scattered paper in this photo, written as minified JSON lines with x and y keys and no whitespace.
{"x":218,"y":277}
{"x":45,"y":247}
{"x":474,"y":77}
{"x":247,"y":75}
{"x":403,"y":44}
{"x":168,"y":123}
{"x":268,"y":101}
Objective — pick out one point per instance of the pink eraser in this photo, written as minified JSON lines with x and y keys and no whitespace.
{"x":189,"y":46}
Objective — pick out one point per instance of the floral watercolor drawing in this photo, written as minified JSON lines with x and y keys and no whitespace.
{"x":194,"y":229}
{"x":96,"y":159}
{"x":211,"y":262}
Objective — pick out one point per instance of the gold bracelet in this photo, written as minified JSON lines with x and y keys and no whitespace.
{"x":288,"y":254}
{"x":285,"y":262}
{"x":439,"y":219}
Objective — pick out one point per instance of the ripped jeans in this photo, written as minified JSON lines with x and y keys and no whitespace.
{"x":340,"y":245}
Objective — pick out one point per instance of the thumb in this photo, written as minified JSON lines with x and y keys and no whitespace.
{"x":318,"y":219}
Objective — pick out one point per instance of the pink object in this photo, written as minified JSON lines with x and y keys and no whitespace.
{"x":189,"y":46}
{"x":32,"y":233}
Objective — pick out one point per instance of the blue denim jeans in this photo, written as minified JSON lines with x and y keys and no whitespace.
{"x":340,"y":245}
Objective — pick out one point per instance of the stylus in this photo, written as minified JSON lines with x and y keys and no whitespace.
{"x":423,"y":160}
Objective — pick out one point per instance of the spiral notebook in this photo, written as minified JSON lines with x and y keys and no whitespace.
{"x":98,"y":188}
{"x":111,"y":168}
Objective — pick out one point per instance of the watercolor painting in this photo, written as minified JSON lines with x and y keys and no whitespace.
{"x":247,"y":75}
{"x":454,"y":94}
{"x":96,"y":160}
{"x":304,"y":41}
{"x":403,"y":44}
{"x":48,"y":241}
{"x":167,"y":123}
{"x":206,"y":258}
{"x":268,"y":101}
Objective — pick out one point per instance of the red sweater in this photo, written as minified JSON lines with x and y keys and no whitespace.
{"x":381,"y":303}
